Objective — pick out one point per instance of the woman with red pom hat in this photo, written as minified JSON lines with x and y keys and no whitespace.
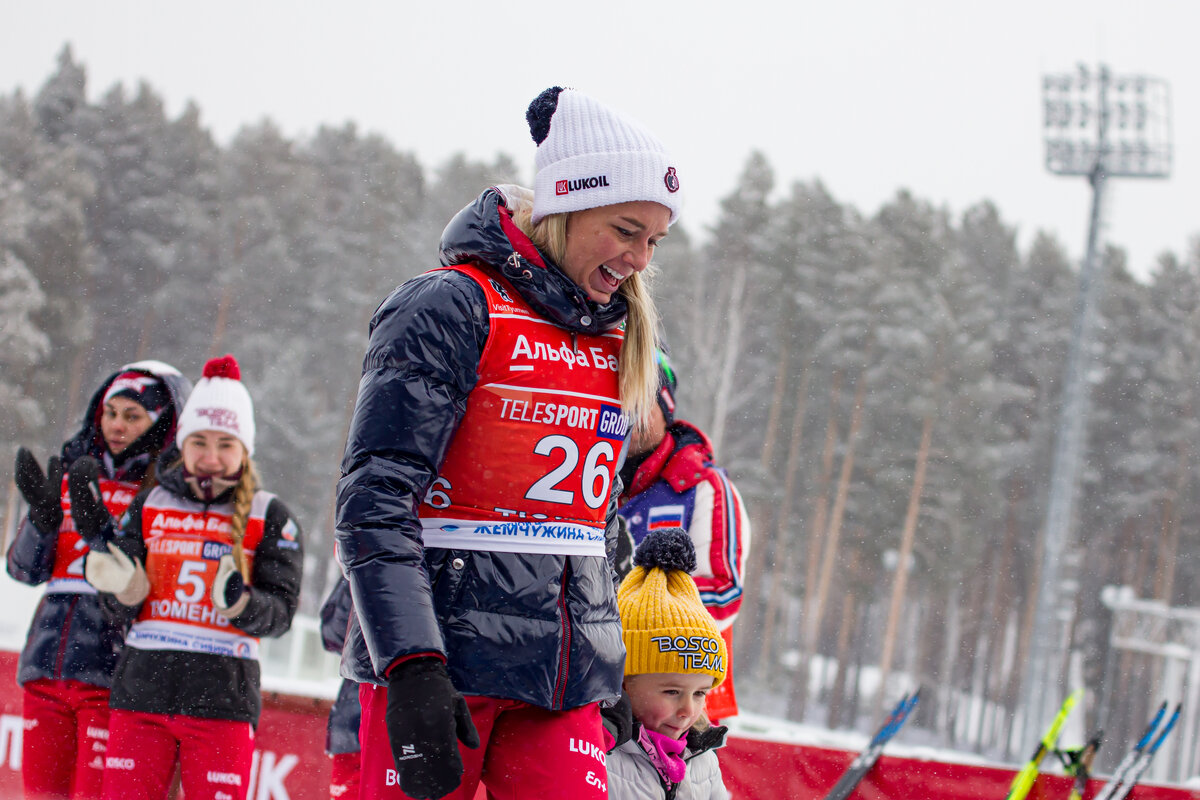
{"x":67,"y":663}
{"x":205,"y":563}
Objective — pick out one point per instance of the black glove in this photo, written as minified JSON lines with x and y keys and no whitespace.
{"x":43,"y":493}
{"x":426,"y":718}
{"x":622,"y":558}
{"x":618,"y":721}
{"x":92,"y":519}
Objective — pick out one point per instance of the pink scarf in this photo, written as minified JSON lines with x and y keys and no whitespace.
{"x":666,"y":754}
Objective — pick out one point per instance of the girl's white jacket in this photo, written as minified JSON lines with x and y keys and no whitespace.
{"x":631,"y":775}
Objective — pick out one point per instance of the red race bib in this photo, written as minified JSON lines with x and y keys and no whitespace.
{"x":531,"y":465}
{"x":184,"y":544}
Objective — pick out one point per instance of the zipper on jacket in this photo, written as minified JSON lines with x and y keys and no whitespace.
{"x":515,"y":263}
{"x":564,"y":654}
{"x":66,"y":634}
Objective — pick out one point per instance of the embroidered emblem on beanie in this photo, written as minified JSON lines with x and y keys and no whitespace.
{"x":219,"y":417}
{"x":566,"y":187}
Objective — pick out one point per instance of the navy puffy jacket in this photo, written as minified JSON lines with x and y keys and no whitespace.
{"x":541,"y":628}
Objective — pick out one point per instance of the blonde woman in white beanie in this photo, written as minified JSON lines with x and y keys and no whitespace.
{"x":477,"y":500}
{"x":205,"y":563}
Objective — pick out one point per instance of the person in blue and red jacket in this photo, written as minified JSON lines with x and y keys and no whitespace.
{"x":67,"y":664}
{"x":671,"y":481}
{"x":477,"y":503}
{"x":341,"y":733}
{"x":205,"y":563}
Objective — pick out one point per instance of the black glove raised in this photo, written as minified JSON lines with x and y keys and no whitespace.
{"x":43,"y":492}
{"x":92,"y":519}
{"x":426,"y":719}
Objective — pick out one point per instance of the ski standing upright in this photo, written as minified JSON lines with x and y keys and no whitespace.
{"x":1138,"y":759}
{"x":1023,"y":782}
{"x":865,"y":760}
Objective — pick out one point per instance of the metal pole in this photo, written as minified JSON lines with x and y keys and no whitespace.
{"x":1042,"y":673}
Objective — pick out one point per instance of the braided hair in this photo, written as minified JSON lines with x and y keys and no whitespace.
{"x":243,"y":496}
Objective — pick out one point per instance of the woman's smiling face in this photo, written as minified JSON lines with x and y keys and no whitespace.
{"x":606,"y":245}
{"x":213,"y":453}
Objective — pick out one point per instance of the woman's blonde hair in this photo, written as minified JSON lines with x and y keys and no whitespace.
{"x":243,"y":496}
{"x":638,"y":374}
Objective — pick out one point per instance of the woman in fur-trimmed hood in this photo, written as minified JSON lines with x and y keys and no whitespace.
{"x":71,"y":650}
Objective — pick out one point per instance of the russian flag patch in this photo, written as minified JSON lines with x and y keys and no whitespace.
{"x":665,"y":517}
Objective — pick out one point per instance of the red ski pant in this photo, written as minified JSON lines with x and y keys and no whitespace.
{"x":525,"y":751}
{"x":214,"y":756}
{"x":343,"y":778}
{"x":62,"y":750}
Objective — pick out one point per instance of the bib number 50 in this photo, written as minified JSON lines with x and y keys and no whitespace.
{"x":595,"y":480}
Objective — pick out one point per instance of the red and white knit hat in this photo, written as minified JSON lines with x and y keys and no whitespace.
{"x":589,"y":156}
{"x":219,"y":402}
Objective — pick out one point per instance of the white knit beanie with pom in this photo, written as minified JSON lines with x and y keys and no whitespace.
{"x":589,"y":155}
{"x":219,"y":402}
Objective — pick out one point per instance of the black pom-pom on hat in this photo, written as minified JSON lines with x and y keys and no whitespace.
{"x":667,"y":549}
{"x":540,"y":111}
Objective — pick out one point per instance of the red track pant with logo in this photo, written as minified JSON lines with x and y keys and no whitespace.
{"x":214,"y":756}
{"x":61,"y":718}
{"x":526,"y":751}
{"x":343,"y":777}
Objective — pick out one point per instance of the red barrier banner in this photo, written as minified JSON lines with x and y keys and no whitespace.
{"x":289,"y":758}
{"x":766,"y":770}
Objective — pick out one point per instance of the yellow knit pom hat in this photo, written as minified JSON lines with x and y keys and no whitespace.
{"x":665,"y":626}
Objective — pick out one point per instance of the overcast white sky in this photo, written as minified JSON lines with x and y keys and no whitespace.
{"x":942,"y":97}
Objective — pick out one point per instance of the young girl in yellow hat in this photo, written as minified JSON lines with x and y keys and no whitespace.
{"x":674,"y":656}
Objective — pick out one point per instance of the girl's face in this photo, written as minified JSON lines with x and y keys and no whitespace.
{"x":122,"y":422}
{"x":606,"y":245}
{"x":667,"y":702}
{"x":213,"y":453}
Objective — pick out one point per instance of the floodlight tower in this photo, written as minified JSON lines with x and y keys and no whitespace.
{"x":1101,"y":126}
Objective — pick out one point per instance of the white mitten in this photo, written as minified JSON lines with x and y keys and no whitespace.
{"x":115,"y":573}
{"x":229,"y":591}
